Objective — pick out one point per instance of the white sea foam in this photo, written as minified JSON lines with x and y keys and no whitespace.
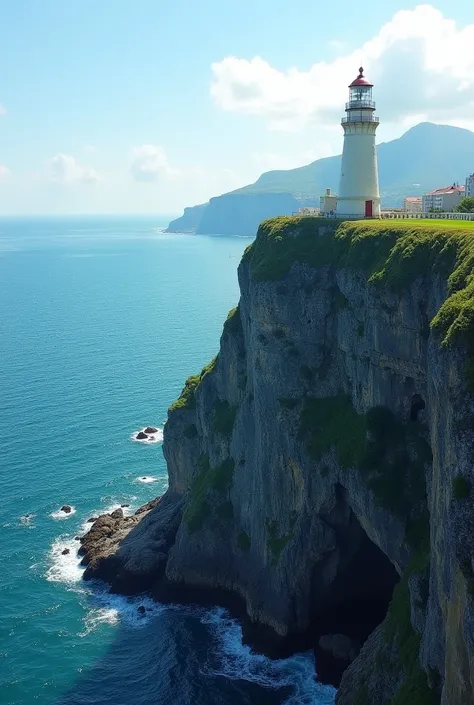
{"x":27,"y":519}
{"x":236,"y":661}
{"x":147,"y":479}
{"x":105,"y":608}
{"x":65,"y":568}
{"x":63,"y":515}
{"x":151,"y":438}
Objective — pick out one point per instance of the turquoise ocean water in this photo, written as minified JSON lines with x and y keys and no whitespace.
{"x":101,"y":320}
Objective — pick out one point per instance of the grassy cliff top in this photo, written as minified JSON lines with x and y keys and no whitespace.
{"x":388,"y":252}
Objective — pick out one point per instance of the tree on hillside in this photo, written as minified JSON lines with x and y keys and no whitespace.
{"x":466,"y":205}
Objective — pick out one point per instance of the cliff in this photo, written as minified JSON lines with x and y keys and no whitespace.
{"x":426,"y":157}
{"x":321,"y":466}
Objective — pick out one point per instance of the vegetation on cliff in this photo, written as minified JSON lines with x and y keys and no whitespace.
{"x":399,"y":632}
{"x":387,"y":253}
{"x":390,"y":455}
{"x":186,"y":399}
{"x":208,"y":479}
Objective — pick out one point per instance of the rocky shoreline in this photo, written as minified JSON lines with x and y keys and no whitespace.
{"x":130,"y":552}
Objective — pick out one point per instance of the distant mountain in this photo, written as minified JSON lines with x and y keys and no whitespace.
{"x":427,"y":156}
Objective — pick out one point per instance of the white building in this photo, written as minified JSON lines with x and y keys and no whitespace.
{"x":328,"y":203}
{"x":469,"y":188}
{"x":413,"y":204}
{"x":443,"y":199}
{"x":359,"y":184}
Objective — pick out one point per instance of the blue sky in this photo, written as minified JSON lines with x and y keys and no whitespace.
{"x":151,"y":105}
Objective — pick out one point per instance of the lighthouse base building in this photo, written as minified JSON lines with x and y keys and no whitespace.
{"x":359,"y":194}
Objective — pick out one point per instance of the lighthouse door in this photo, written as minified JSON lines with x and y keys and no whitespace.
{"x":368,"y":209}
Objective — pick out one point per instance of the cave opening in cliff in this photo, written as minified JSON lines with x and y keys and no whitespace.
{"x":351,"y":592}
{"x":417,"y":405}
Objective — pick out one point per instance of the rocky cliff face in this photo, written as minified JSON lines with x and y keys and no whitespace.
{"x":324,"y":459}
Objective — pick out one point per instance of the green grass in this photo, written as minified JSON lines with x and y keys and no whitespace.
{"x":243,"y":541}
{"x":208,"y":478}
{"x":187,"y":399}
{"x":461,"y":487}
{"x":224,"y":417}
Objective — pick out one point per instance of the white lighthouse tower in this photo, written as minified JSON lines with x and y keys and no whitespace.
{"x":359,"y":185}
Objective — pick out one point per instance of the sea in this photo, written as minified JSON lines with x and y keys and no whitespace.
{"x":101,"y":321}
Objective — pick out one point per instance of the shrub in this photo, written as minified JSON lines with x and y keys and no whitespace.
{"x":187,"y":399}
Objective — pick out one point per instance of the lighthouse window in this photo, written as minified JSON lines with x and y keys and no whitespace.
{"x":361,"y":93}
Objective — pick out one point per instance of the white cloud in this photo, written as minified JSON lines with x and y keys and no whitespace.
{"x":150,"y":163}
{"x":4,"y":172}
{"x":420,"y":61}
{"x":64,"y":169}
{"x":3,"y":110}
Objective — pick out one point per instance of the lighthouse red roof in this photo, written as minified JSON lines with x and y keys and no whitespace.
{"x":361,"y":80}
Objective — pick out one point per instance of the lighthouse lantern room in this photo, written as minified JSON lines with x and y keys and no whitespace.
{"x":359,"y":183}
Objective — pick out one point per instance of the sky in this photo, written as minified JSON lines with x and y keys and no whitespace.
{"x":114,"y":106}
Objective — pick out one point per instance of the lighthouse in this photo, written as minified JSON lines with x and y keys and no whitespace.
{"x":359,"y":183}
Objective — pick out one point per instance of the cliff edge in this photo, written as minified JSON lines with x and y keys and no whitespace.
{"x":321,"y":466}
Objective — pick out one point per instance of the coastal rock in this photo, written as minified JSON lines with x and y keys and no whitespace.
{"x":124,"y":506}
{"x":141,"y":436}
{"x":91,"y":520}
{"x":117,"y":514}
{"x":131,"y":552}
{"x":321,"y":466}
{"x":66,"y":508}
{"x":66,"y":551}
{"x":150,"y":429}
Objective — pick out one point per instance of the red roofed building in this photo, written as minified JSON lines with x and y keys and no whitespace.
{"x":413,"y":204}
{"x":443,"y":199}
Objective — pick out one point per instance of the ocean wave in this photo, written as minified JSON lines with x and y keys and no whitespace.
{"x":65,"y":568}
{"x":236,"y":661}
{"x":147,"y":479}
{"x":107,"y":608}
{"x":156,"y":437}
{"x":59,"y":514}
